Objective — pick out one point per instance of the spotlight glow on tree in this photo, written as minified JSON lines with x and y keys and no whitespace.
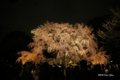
{"x":72,"y":43}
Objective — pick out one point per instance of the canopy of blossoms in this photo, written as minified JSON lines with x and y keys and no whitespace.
{"x":65,"y":40}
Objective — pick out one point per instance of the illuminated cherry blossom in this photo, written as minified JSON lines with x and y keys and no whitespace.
{"x":64,"y":40}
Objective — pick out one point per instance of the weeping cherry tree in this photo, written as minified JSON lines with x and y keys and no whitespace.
{"x":66,"y":41}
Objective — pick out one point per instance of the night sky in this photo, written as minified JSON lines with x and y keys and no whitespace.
{"x":25,"y":15}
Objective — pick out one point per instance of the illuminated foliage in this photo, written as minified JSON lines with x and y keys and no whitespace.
{"x":71,"y":43}
{"x":111,"y":26}
{"x":99,"y":58}
{"x":111,"y":37}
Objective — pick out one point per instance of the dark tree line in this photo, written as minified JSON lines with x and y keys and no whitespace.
{"x":107,"y":30}
{"x":12,"y":43}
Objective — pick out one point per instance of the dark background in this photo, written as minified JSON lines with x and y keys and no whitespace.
{"x":19,"y":17}
{"x":25,"y":15}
